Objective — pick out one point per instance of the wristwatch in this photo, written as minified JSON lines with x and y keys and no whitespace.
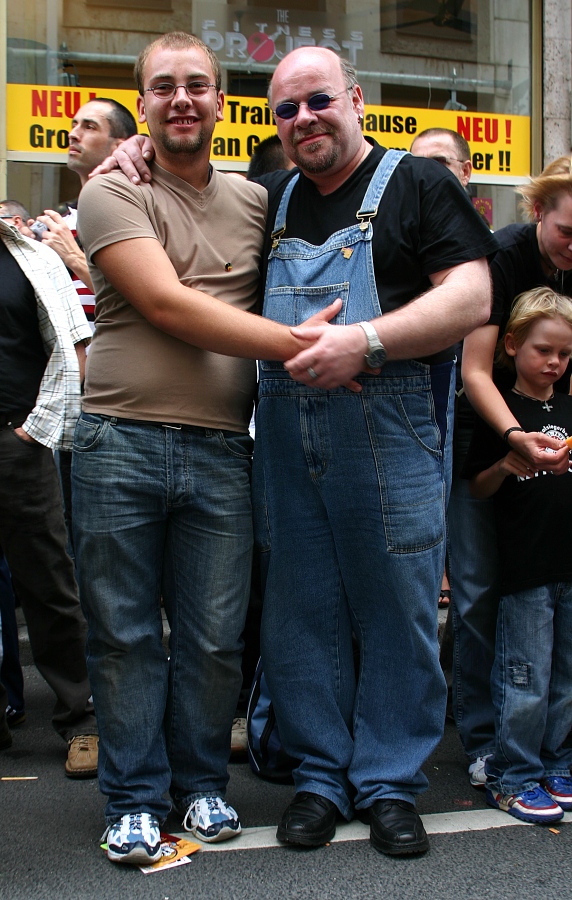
{"x":376,"y":355}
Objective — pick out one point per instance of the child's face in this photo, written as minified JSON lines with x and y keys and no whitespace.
{"x":543,"y":356}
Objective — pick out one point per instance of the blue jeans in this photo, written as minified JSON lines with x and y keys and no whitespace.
{"x":473,"y":573}
{"x":532,"y":688}
{"x":355,"y":488}
{"x":159,"y":511}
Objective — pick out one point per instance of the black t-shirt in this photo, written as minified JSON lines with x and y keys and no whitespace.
{"x":22,"y":355}
{"x":534,"y":523}
{"x":425,"y":223}
{"x":517,"y":267}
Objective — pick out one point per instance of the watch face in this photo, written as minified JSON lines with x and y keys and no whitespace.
{"x":376,"y":358}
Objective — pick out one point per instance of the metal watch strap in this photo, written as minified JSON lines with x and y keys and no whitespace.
{"x":374,"y":344}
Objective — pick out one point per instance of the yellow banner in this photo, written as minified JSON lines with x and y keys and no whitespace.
{"x":38,"y":120}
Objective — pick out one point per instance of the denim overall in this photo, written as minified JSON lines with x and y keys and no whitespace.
{"x":350,"y":490}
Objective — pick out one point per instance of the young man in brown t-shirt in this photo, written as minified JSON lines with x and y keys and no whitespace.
{"x":161,"y":472}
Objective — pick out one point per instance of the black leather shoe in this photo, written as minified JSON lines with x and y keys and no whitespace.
{"x":396,"y":828}
{"x":310,"y":820}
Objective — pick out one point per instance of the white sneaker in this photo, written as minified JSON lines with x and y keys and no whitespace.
{"x":477,"y":772}
{"x":211,"y":819}
{"x":135,"y":839}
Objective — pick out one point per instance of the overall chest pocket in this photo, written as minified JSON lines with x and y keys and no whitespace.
{"x":293,"y":305}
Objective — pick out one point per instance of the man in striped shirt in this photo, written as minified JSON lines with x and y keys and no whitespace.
{"x":98,"y":127}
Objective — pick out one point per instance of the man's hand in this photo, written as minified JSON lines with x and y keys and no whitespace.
{"x":532,"y":446}
{"x":25,"y":436}
{"x":335,"y":358}
{"x":59,"y":237}
{"x":130,"y":157}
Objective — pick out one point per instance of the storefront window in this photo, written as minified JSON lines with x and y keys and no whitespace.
{"x":460,"y":64}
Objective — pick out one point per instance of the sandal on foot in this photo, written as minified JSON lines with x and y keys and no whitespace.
{"x":444,"y":599}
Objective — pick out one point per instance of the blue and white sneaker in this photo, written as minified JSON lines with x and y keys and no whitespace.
{"x":534,"y":806}
{"x":135,"y":839}
{"x":211,"y":819}
{"x":559,"y":787}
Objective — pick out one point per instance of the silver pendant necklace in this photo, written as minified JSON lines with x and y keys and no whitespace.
{"x":545,"y":403}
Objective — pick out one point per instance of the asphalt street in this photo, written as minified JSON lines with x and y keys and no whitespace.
{"x":50,"y":829}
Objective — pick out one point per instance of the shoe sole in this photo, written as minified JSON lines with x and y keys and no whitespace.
{"x":82,"y":773}
{"x":400,"y":849}
{"x":478,"y":784}
{"x":292,"y":837}
{"x":238,"y":755}
{"x":136,"y":857}
{"x":530,"y":818}
{"x":224,"y":835}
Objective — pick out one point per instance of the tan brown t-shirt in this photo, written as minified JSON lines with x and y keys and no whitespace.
{"x":214,"y":240}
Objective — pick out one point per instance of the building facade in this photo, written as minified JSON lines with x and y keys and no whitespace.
{"x":497,"y":71}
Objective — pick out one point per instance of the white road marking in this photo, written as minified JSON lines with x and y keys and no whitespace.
{"x":437,"y":823}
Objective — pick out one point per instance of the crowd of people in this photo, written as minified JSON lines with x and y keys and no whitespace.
{"x":352,"y":277}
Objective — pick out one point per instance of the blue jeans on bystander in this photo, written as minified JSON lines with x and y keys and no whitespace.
{"x":532,"y":688}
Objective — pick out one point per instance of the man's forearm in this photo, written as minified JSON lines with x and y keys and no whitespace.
{"x":77,"y":263}
{"x":141,"y":272}
{"x":439,"y":318}
{"x":81,"y":357}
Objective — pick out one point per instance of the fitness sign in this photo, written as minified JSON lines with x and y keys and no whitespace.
{"x":254,"y":40}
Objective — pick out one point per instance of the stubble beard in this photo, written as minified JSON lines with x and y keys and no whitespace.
{"x":184,"y":143}
{"x":76,"y":164}
{"x":316,"y":158}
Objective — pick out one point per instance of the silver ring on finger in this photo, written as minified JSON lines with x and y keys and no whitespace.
{"x":311,"y":372}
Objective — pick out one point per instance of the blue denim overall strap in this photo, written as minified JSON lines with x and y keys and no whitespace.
{"x":372,"y":196}
{"x":304,"y":278}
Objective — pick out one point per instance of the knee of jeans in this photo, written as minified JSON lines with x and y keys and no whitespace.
{"x":520,"y":675}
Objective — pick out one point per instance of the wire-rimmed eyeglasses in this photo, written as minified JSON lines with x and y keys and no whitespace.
{"x":166,"y":91}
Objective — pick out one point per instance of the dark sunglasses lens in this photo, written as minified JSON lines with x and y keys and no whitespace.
{"x":289,"y":110}
{"x":319,"y":101}
{"x":286,"y":110}
{"x":440,"y":159}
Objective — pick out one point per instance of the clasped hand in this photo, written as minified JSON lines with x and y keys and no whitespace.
{"x":335,"y":356}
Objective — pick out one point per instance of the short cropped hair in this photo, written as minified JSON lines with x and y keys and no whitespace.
{"x":268,"y":156}
{"x":462,"y":148}
{"x":528,"y":308}
{"x":547,"y":188}
{"x":121,"y":122}
{"x":15,"y":208}
{"x":176,"y":40}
